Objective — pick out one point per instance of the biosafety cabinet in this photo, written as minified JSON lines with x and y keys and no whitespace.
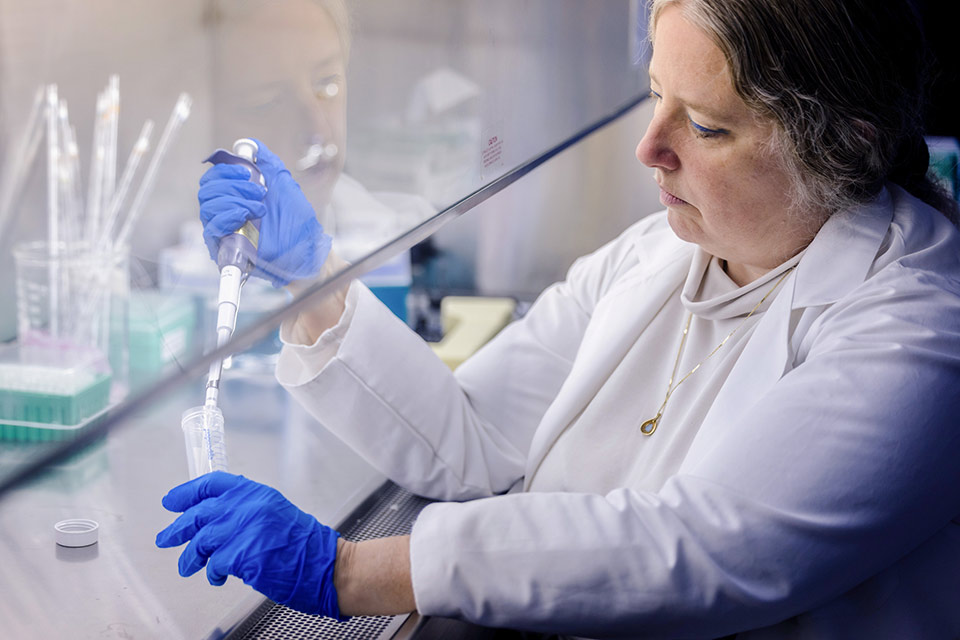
{"x":396,"y":118}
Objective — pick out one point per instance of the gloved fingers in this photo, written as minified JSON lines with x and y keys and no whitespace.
{"x":303,"y":257}
{"x":232,"y":207}
{"x":190,"y":561}
{"x":218,"y":569}
{"x":203,"y":545}
{"x":269,"y":164}
{"x":209,"y":485}
{"x":190,"y":522}
{"x":236,"y":172}
{"x":243,"y":189}
{"x":223,"y":225}
{"x":212,"y":243}
{"x":213,"y":234}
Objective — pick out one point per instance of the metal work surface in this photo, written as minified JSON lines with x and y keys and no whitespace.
{"x":124,"y":586}
{"x":280,"y":623}
{"x":389,"y":512}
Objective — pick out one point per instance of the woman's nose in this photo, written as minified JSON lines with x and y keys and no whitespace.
{"x":655,"y":149}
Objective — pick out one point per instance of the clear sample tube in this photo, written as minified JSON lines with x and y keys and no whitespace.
{"x":203,"y":435}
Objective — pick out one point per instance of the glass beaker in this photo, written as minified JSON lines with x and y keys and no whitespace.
{"x":64,"y":303}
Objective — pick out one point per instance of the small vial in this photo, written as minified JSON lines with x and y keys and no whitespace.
{"x":203,"y":435}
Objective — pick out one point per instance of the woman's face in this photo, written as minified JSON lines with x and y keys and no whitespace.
{"x":723,"y":187}
{"x":283,"y":80}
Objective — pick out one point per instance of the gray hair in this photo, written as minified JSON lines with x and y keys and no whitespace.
{"x":844,"y":83}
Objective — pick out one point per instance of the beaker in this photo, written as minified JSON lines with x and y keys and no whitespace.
{"x":64,"y":303}
{"x":203,"y":435}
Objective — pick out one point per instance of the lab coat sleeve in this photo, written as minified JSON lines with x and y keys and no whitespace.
{"x":845,"y":466}
{"x":379,"y":387}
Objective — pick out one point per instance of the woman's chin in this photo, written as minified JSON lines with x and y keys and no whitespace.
{"x":683,"y":224}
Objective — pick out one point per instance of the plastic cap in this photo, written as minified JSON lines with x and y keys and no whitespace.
{"x":77,"y":532}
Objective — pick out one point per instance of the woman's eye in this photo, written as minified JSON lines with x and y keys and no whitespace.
{"x":327,"y":88}
{"x":705,"y":132}
{"x":654,"y":95}
{"x":262,"y":100}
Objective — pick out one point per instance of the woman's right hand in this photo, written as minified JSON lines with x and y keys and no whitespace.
{"x":292,"y":244}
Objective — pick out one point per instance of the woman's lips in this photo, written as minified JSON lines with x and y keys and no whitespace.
{"x":669,"y":200}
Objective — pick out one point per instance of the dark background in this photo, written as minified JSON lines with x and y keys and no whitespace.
{"x":941,"y":22}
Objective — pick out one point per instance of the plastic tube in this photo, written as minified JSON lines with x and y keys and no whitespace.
{"x":22,"y":158}
{"x":69,"y":177}
{"x":140,"y":148}
{"x":97,"y":159}
{"x":76,"y":197}
{"x":181,"y":111}
{"x":110,"y":148}
{"x":204,"y":439}
{"x":53,"y":205}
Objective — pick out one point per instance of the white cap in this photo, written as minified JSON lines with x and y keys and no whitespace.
{"x":76,"y":532}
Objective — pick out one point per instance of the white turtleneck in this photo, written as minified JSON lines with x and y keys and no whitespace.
{"x":603,"y":449}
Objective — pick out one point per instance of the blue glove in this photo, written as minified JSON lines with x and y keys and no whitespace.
{"x":239,"y":527}
{"x":292,"y":243}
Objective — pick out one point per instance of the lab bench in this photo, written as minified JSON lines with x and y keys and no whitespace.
{"x":123,"y":586}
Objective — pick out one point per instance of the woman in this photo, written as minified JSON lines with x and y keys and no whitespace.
{"x":737,"y":417}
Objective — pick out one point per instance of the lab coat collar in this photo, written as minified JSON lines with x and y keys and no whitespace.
{"x":841,"y":254}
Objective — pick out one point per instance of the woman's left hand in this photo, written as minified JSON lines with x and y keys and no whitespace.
{"x":239,"y":527}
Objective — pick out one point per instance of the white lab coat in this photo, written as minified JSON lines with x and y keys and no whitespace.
{"x":819,"y":499}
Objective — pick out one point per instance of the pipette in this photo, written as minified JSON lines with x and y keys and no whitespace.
{"x":110,"y":155}
{"x":181,"y":111}
{"x":53,"y":205}
{"x":22,"y":159}
{"x":140,"y":148}
{"x":98,"y":156}
{"x":235,"y":258}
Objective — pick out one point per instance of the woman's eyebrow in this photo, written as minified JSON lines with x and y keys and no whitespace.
{"x":704,"y":109}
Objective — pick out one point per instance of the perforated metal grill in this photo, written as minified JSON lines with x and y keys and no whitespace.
{"x":281,"y":623}
{"x":390,"y":511}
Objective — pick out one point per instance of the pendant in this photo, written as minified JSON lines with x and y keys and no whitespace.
{"x":648,"y":427}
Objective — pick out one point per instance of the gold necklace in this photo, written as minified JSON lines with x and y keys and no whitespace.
{"x":648,"y":427}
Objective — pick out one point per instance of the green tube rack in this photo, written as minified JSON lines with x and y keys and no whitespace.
{"x":35,"y":416}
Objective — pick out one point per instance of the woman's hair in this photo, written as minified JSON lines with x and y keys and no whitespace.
{"x":844,"y":81}
{"x":217,"y":11}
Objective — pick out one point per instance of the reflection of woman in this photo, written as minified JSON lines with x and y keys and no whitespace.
{"x":281,"y":71}
{"x":737,"y":417}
